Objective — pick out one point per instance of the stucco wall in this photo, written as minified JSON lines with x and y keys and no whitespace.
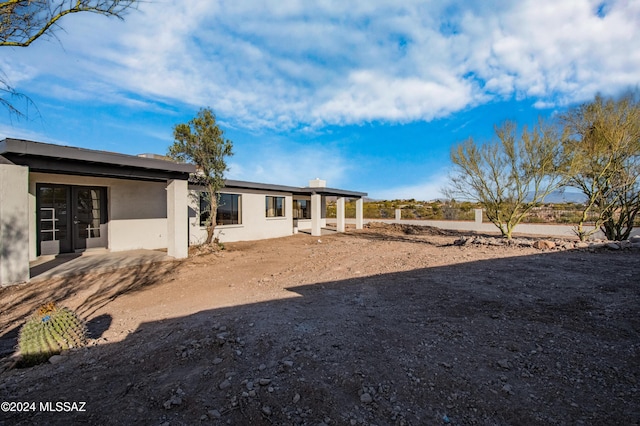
{"x":137,"y":210}
{"x":137,"y":215}
{"x":14,"y":224}
{"x":134,"y":234}
{"x":255,"y":225}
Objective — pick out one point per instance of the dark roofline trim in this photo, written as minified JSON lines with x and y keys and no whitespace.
{"x":239,"y":184}
{"x":78,"y":168}
{"x":336,"y":192}
{"x":4,"y":160}
{"x":60,"y":159}
{"x":24,"y":148}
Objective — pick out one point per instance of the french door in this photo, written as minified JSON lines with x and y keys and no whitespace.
{"x":69,"y":217}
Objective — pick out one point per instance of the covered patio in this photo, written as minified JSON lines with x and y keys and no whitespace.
{"x":318,"y":191}
{"x":92,"y":261}
{"x":61,"y":199}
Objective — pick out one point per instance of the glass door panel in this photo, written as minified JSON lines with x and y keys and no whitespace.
{"x":86,"y":215}
{"x":53,"y":219}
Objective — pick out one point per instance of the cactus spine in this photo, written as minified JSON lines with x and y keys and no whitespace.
{"x":49,"y":331}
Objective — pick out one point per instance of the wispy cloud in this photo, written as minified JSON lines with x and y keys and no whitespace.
{"x":292,"y":64}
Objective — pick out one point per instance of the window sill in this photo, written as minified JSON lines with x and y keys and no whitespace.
{"x":239,"y":225}
{"x":277,"y":218}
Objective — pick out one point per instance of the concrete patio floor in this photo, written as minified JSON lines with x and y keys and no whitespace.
{"x":92,"y":261}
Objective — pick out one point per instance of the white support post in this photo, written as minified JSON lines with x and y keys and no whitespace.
{"x":478,"y":216}
{"x":14,"y":224}
{"x":398,"y":214}
{"x":177,"y":219}
{"x":359,"y":213}
{"x":316,"y":213}
{"x":340,"y":208}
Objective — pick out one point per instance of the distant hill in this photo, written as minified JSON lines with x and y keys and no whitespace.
{"x":555,"y":197}
{"x":565,"y":197}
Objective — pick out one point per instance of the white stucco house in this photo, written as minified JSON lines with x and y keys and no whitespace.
{"x":58,"y":199}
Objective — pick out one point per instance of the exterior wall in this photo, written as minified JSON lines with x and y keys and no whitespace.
{"x":136,"y":217}
{"x":14,"y":224}
{"x":134,"y":234}
{"x":255,"y":225}
{"x":304,"y":224}
{"x":137,"y":214}
{"x":177,"y":219}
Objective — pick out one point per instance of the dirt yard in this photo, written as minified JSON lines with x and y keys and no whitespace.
{"x":372,"y":327}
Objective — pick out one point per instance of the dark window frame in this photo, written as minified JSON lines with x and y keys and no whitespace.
{"x":229,"y":209}
{"x":300,"y":212}
{"x":274,"y":206}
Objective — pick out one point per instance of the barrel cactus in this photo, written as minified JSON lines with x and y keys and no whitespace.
{"x":49,"y":331}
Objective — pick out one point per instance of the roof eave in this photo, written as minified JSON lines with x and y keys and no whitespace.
{"x":20,"y":147}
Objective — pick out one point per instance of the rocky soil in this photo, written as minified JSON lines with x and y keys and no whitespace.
{"x":391,"y":325}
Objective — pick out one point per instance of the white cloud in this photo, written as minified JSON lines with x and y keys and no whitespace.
{"x":13,"y":75}
{"x":369,"y":96}
{"x":294,"y":63}
{"x":560,"y":52}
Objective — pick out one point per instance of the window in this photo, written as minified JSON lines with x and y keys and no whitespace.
{"x":229,"y":209}
{"x":275,"y":206}
{"x":301,"y":209}
{"x":53,"y":212}
{"x":88,"y":211}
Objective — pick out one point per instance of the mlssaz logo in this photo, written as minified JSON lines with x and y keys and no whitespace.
{"x":63,"y":406}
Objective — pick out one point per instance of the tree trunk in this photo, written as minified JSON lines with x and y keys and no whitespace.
{"x":210,"y":229}
{"x":213,"y":213}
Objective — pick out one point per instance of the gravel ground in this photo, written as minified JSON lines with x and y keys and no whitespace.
{"x":385,"y":326}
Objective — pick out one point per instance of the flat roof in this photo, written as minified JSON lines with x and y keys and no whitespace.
{"x":61,"y":159}
{"x":49,"y":158}
{"x":306,"y":190}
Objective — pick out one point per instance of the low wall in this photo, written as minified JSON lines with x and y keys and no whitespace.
{"x":542,"y":229}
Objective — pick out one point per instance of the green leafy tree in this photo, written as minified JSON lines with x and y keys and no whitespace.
{"x":510,"y":175}
{"x":202,"y":142}
{"x":24,"y":21}
{"x":603,"y":142}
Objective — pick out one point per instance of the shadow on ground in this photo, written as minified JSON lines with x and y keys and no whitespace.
{"x":545,"y":339}
{"x":93,"y":290}
{"x":42,"y":268}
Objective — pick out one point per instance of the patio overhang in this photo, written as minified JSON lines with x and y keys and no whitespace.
{"x":295,"y":190}
{"x":58,"y":159}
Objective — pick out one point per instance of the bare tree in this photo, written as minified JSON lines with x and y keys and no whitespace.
{"x":24,"y":21}
{"x":603,"y":142}
{"x":510,"y":175}
{"x":9,"y":96}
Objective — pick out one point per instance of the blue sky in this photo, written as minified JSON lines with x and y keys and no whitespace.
{"x":369,"y":95}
